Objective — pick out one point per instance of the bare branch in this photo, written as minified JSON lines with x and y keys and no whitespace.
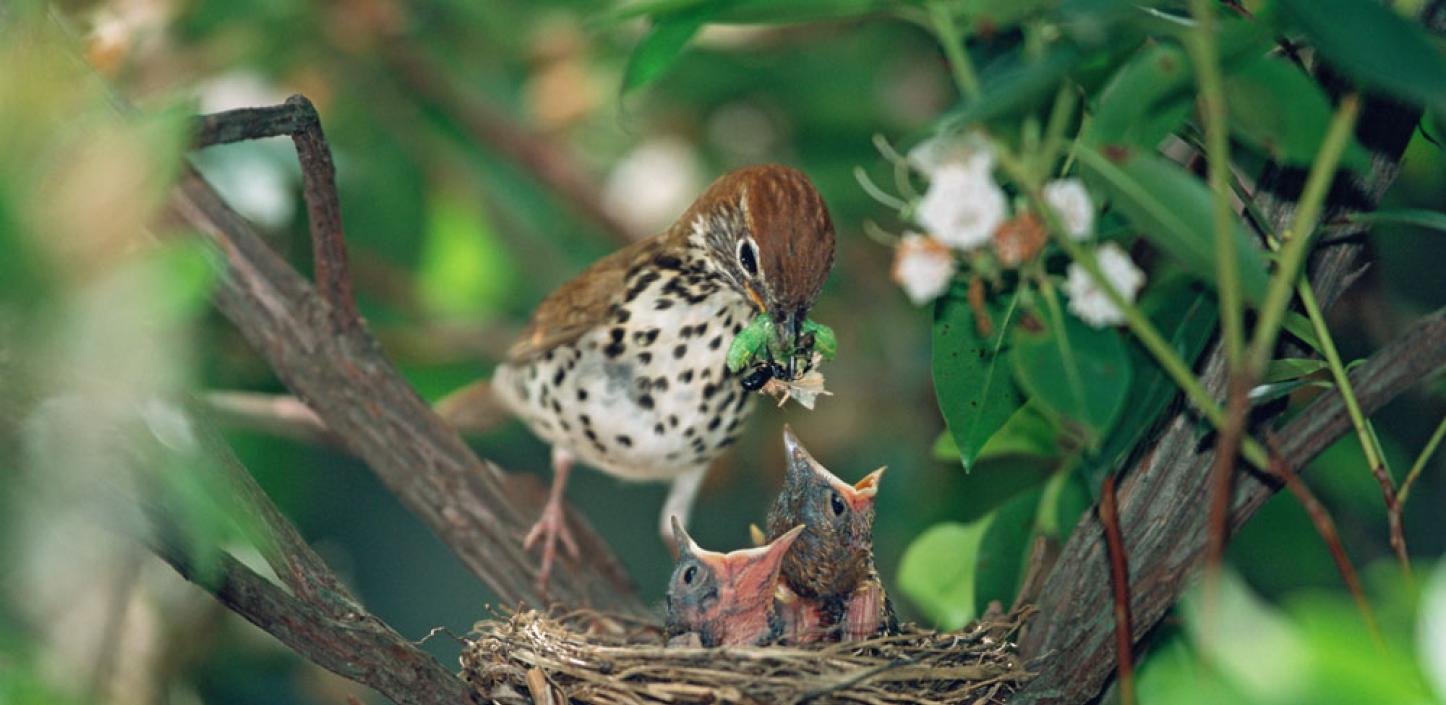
{"x":341,"y":374}
{"x":297,"y":119}
{"x":319,"y":618}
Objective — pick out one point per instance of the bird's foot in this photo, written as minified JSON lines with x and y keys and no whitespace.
{"x":550,"y":528}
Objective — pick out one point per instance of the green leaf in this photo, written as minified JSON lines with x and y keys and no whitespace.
{"x":1078,"y":372}
{"x":1275,"y":107}
{"x":937,"y":571}
{"x":1417,"y":217}
{"x":971,"y":372}
{"x":753,"y":11}
{"x":1299,"y":326}
{"x":1013,"y":83}
{"x":1172,"y":209}
{"x":1146,"y":99}
{"x":944,"y":448}
{"x":1179,"y":308}
{"x":1372,"y":44}
{"x":1292,"y":368}
{"x":663,"y":44}
{"x":1028,"y":431}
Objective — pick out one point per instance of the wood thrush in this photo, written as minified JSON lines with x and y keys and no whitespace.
{"x":624,"y":367}
{"x":727,"y":599}
{"x":835,"y":589}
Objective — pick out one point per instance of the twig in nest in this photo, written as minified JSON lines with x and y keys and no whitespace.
{"x":626,"y":662}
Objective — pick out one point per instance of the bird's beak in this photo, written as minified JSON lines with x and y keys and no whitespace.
{"x":802,"y":466}
{"x":754,"y":571}
{"x":683,"y":544}
{"x":755,"y":297}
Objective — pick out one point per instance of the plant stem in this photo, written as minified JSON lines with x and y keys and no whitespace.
{"x":1135,"y":319}
{"x":1420,"y":464}
{"x":1297,"y":237}
{"x":1066,"y":352}
{"x":1201,"y":45}
{"x":947,"y":32}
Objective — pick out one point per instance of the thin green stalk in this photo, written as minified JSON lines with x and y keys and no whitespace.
{"x":1201,"y":45}
{"x":1297,"y":237}
{"x":947,"y":32}
{"x":1059,"y":115}
{"x":1374,"y":457}
{"x":1135,"y":319}
{"x":1066,"y":352}
{"x":1420,"y":463}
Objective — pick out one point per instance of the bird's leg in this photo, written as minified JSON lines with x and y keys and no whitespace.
{"x":680,"y":503}
{"x":552,"y":525}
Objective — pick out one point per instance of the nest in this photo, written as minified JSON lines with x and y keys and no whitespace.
{"x":587,"y":657}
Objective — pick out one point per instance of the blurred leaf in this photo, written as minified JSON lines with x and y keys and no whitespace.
{"x":1172,"y":209}
{"x":1078,"y":372}
{"x":993,"y":16}
{"x":1145,"y":100}
{"x":971,"y":371}
{"x":1004,"y":549}
{"x":1028,"y":431}
{"x":186,"y":272}
{"x":754,"y":11}
{"x":660,"y":48}
{"x":1369,"y":42}
{"x":1418,"y":217}
{"x":1274,"y":106}
{"x":464,"y":271}
{"x":1263,"y":393}
{"x":937,"y":571}
{"x":1179,"y":308}
{"x":1292,"y":368}
{"x":1012,"y":84}
{"x":944,"y":448}
{"x":1299,"y":326}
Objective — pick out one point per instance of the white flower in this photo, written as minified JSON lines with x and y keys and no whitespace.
{"x":971,"y":151}
{"x":1071,"y":202}
{"x":923,"y":267}
{"x":962,"y":207}
{"x":1088,"y":301}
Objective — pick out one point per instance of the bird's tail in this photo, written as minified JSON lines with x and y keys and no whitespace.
{"x":474,"y":408}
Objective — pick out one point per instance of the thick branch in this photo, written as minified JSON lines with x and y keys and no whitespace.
{"x":318,"y":618}
{"x":1165,"y":531}
{"x":340,"y":372}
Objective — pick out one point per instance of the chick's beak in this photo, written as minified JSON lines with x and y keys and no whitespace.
{"x":754,"y":571}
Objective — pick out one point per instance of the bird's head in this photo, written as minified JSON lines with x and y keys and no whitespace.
{"x":726,"y":598}
{"x":836,"y":549}
{"x":767,"y":229}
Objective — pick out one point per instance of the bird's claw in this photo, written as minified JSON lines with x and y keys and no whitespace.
{"x":550,"y":528}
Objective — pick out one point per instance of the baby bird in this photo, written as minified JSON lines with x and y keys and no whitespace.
{"x":726,"y":599}
{"x":835,"y":589}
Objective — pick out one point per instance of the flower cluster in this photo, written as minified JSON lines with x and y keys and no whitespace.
{"x":965,"y":210}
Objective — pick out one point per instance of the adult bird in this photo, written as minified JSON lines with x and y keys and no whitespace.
{"x":623,"y":367}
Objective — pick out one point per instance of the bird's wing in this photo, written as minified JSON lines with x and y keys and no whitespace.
{"x":582,"y":303}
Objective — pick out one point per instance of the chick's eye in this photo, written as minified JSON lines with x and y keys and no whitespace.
{"x":747,"y":258}
{"x":836,"y":504}
{"x":689,"y":574}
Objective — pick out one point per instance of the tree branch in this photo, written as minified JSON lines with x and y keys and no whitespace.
{"x":1165,"y":532}
{"x":332,"y":363}
{"x":319,"y":618}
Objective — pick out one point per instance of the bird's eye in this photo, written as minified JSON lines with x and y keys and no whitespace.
{"x":747,"y":258}
{"x":836,"y":503}
{"x":690,"y":574}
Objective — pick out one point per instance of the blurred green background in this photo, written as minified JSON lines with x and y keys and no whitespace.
{"x":453,"y":241}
